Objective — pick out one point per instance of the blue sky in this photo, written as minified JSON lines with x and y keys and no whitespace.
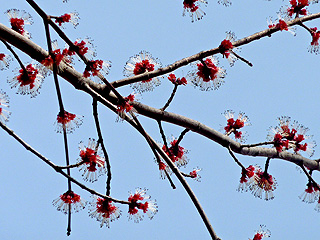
{"x":282,"y":82}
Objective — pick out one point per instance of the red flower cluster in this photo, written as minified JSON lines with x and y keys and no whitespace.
{"x":28,"y":80}
{"x":265,"y":184}
{"x":67,"y":121}
{"x":69,"y":201}
{"x":311,"y":193}
{"x":226,"y":46}
{"x":149,"y":207}
{"x":314,"y":46}
{"x":93,"y":164}
{"x":192,"y":7}
{"x":104,"y":211}
{"x":176,"y":153}
{"x":68,"y":17}
{"x":177,"y":81}
{"x":298,"y":7}
{"x":233,"y":125}
{"x":259,"y":183}
{"x":94,"y":67}
{"x":290,"y":137}
{"x":247,"y":178}
{"x":18,"y":19}
{"x":125,"y":105}
{"x":64,"y":55}
{"x":207,"y":75}
{"x":139,"y":64}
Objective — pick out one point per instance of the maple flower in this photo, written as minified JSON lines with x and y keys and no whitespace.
{"x":291,"y":136}
{"x":4,"y":61}
{"x":67,"y":121}
{"x":18,"y":19}
{"x":262,"y":233}
{"x":4,"y":102}
{"x":73,"y":18}
{"x":139,"y":64}
{"x":69,"y":201}
{"x":207,"y":75}
{"x":194,"y":174}
{"x":192,"y":7}
{"x":104,"y":211}
{"x":65,"y":55}
{"x":310,"y":194}
{"x":125,"y":106}
{"x":29,"y":80}
{"x":226,"y":48}
{"x":265,"y":184}
{"x":297,"y":8}
{"x":163,"y":168}
{"x":176,"y":153}
{"x":314,"y":46}
{"x":85,"y":48}
{"x":149,"y":206}
{"x":248,"y":179}
{"x":281,"y":25}
{"x":233,"y":125}
{"x":93,"y":161}
{"x":94,"y":67}
{"x":177,"y":81}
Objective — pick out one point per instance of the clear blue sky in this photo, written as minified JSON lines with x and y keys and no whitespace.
{"x":283,"y":81}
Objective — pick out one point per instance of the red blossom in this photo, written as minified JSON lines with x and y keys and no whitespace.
{"x":93,"y":68}
{"x":63,"y":19}
{"x":192,"y":7}
{"x":69,"y":201}
{"x":17,"y":24}
{"x":67,"y":121}
{"x":176,"y":153}
{"x":18,"y":19}
{"x":177,"y":81}
{"x":149,"y":207}
{"x":225,"y":45}
{"x":207,"y":71}
{"x":125,"y":105}
{"x":233,"y":125}
{"x":29,"y":80}
{"x":93,"y":164}
{"x":104,"y":211}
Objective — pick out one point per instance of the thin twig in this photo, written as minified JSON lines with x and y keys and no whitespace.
{"x":96,"y":120}
{"x":174,"y":169}
{"x":241,"y":58}
{"x":267,"y":165}
{"x":170,"y":98}
{"x":55,"y":167}
{"x":236,"y":160}
{"x":256,"y":144}
{"x":14,"y":54}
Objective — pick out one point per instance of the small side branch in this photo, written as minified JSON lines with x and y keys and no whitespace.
{"x":100,"y":141}
{"x":55,"y":167}
{"x":171,"y":97}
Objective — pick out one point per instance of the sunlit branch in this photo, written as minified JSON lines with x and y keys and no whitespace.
{"x":185,"y":61}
